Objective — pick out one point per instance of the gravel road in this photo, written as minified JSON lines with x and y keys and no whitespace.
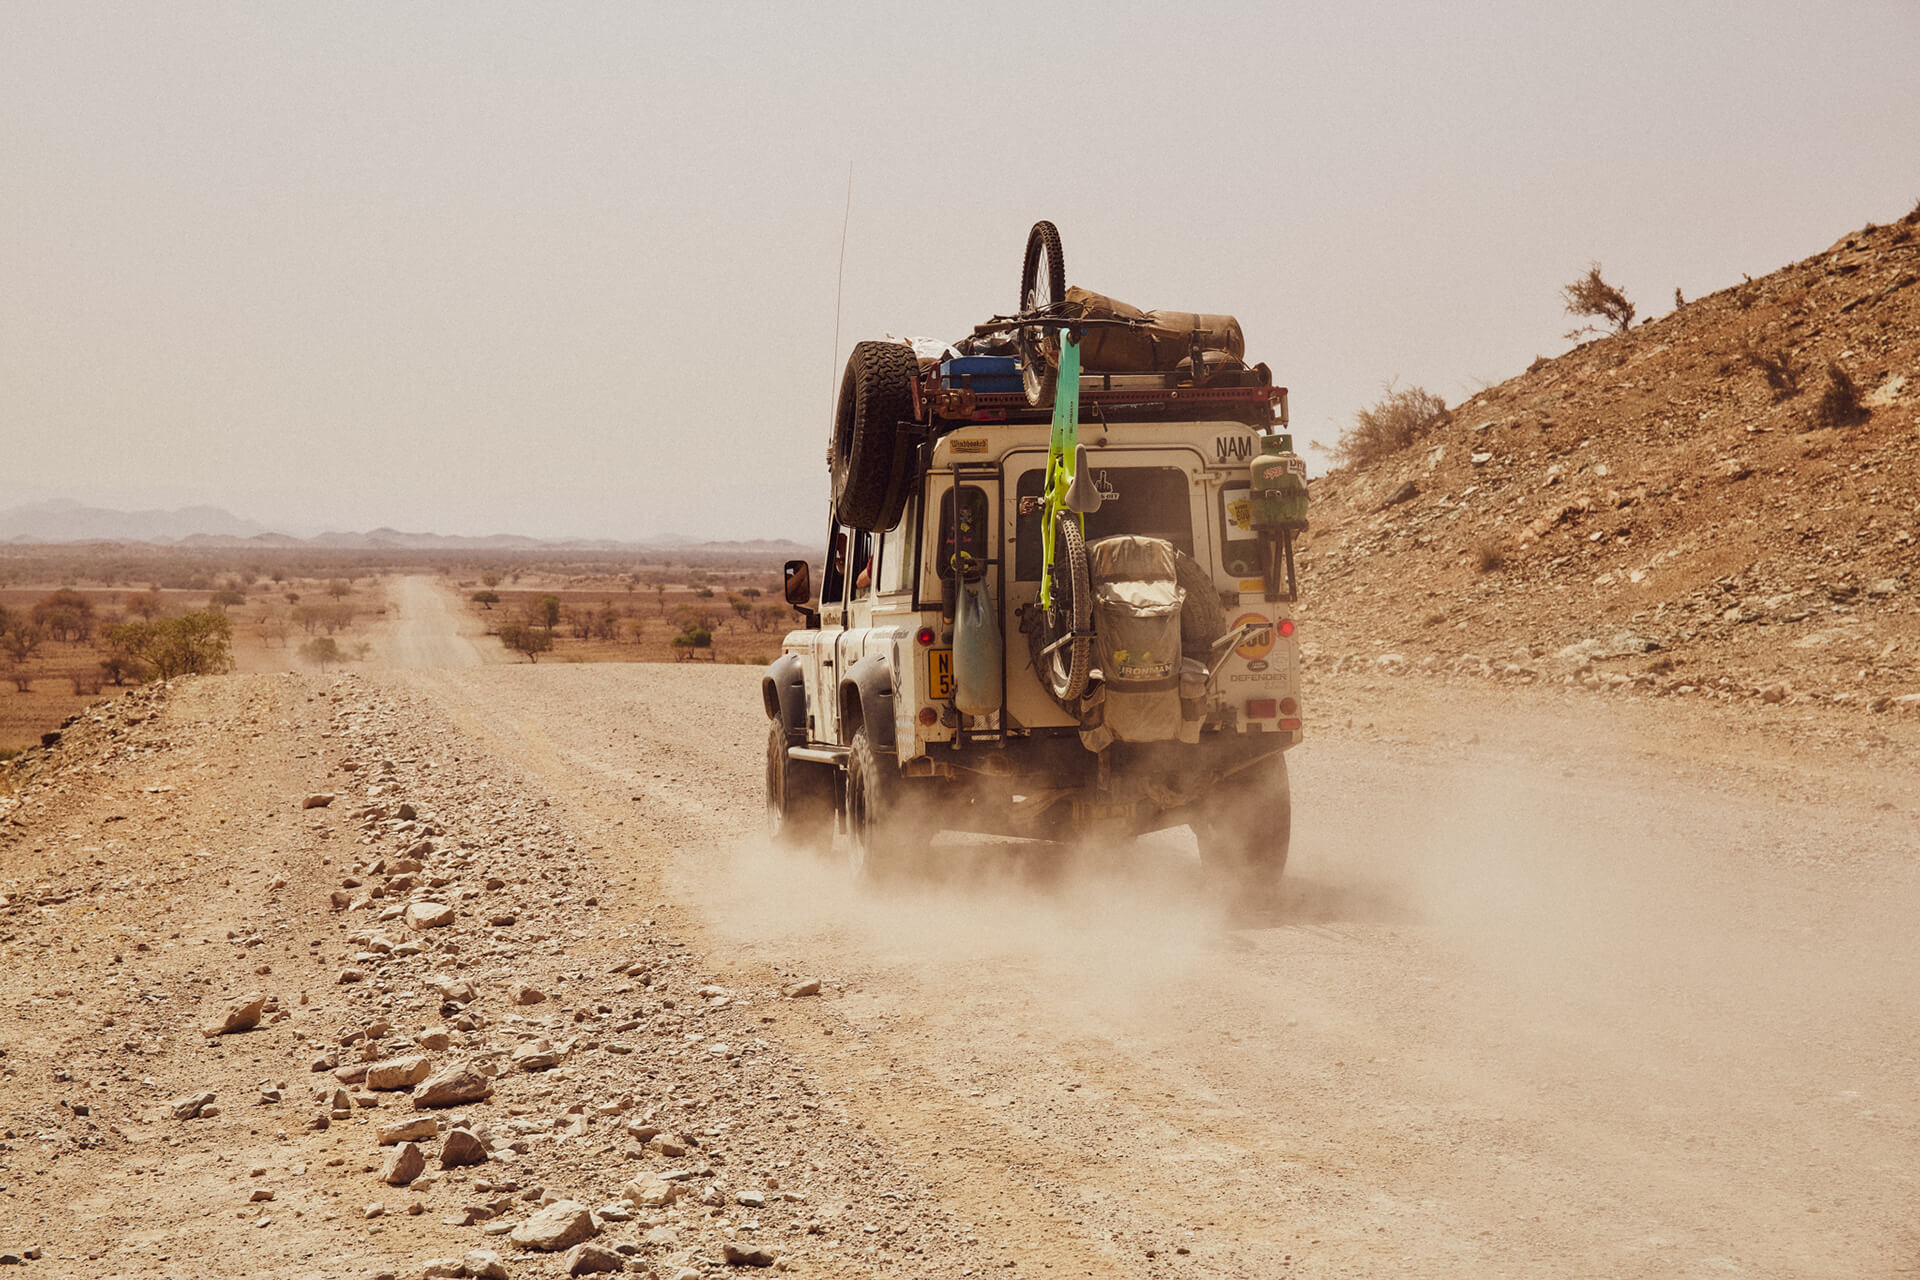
{"x":1559,"y":986}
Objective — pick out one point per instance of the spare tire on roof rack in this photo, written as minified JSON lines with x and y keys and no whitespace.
{"x":868,"y":463}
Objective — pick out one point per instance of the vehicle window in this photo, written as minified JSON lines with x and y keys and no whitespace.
{"x":896,"y":557}
{"x":833,"y":586}
{"x":1150,"y":501}
{"x":1242,"y":555}
{"x":972,"y":530}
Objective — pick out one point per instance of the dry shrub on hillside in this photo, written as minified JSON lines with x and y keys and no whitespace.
{"x":1487,"y":556}
{"x":1839,"y":404}
{"x":1776,"y":365}
{"x":1592,"y":296}
{"x":1389,"y":425}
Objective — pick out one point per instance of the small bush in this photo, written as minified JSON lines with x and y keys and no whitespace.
{"x":1839,"y":404}
{"x":1487,"y":556}
{"x":1592,"y":296}
{"x":1389,"y":425}
{"x":1777,"y":366}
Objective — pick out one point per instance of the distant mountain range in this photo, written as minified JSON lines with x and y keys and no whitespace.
{"x":68,"y":522}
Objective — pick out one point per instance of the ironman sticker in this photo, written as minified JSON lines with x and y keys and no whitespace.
{"x":1258,"y":642}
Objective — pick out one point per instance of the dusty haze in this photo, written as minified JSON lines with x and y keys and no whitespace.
{"x":487,"y":269}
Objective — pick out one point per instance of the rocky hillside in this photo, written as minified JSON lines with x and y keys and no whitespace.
{"x":1670,"y":510}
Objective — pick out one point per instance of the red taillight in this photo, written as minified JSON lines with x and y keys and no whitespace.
{"x":1262,"y":708}
{"x":1286,"y":626}
{"x":1289,"y":707}
{"x":925,"y":635}
{"x":928,"y":715}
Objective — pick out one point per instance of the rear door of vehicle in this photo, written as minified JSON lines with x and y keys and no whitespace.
{"x":1157,"y":491}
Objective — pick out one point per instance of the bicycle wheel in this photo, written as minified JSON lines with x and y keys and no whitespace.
{"x":1043,"y":284}
{"x":1061,"y":645}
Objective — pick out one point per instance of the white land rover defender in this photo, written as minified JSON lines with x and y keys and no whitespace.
{"x":1058,"y":591}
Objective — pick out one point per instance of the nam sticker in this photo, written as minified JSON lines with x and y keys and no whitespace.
{"x":1259,"y":641}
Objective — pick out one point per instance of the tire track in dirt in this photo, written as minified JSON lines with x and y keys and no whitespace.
{"x":1531,"y":1005}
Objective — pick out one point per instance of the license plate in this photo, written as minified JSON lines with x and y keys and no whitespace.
{"x":939,"y":674}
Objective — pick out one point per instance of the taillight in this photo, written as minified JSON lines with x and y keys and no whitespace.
{"x":1286,"y":626}
{"x":1289,"y":707}
{"x":1262,"y":708}
{"x":925,"y":635}
{"x":928,"y":716}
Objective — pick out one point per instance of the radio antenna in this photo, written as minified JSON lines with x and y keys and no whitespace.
{"x":838,"y":285}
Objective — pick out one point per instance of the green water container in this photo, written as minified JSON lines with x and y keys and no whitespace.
{"x":1278,"y":483}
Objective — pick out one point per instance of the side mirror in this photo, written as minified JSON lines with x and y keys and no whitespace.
{"x":798,"y":584}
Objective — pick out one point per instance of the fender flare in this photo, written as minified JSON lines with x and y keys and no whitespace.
{"x":784,"y":692}
{"x":868,"y":688}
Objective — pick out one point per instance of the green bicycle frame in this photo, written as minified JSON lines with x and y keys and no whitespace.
{"x":1061,"y":449}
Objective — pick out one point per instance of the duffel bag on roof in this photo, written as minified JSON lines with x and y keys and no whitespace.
{"x":1157,"y":345}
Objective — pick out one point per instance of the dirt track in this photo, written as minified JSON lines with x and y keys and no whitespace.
{"x":1559,"y":988}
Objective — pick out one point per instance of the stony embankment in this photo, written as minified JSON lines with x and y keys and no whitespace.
{"x":298,"y":982}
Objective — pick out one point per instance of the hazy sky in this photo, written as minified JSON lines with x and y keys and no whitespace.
{"x":568,"y":269}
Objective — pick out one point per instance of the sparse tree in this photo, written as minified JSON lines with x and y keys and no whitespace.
{"x":486,"y":599}
{"x":121,"y":667}
{"x":199,"y":643}
{"x":1594,"y":297}
{"x":65,"y":614}
{"x":18,"y":643}
{"x":526,"y":638}
{"x":322,"y":651}
{"x":226,"y":598}
{"x":489,"y":580}
{"x":547,"y":612}
{"x":338,"y":588}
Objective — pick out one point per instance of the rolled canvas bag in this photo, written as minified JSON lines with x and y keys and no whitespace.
{"x":1157,"y":345}
{"x":1136,"y":619}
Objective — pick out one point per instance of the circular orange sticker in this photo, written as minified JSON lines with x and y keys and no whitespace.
{"x":1259,"y":641}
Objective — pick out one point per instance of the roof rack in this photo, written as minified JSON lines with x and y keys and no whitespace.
{"x":1242,"y":395}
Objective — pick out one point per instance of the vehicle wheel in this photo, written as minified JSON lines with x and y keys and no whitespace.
{"x":1043,"y":283}
{"x":799,"y":798}
{"x":1202,"y":620}
{"x":1247,"y":827}
{"x":882,"y":824}
{"x":869,"y":473}
{"x":1064,"y":671}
